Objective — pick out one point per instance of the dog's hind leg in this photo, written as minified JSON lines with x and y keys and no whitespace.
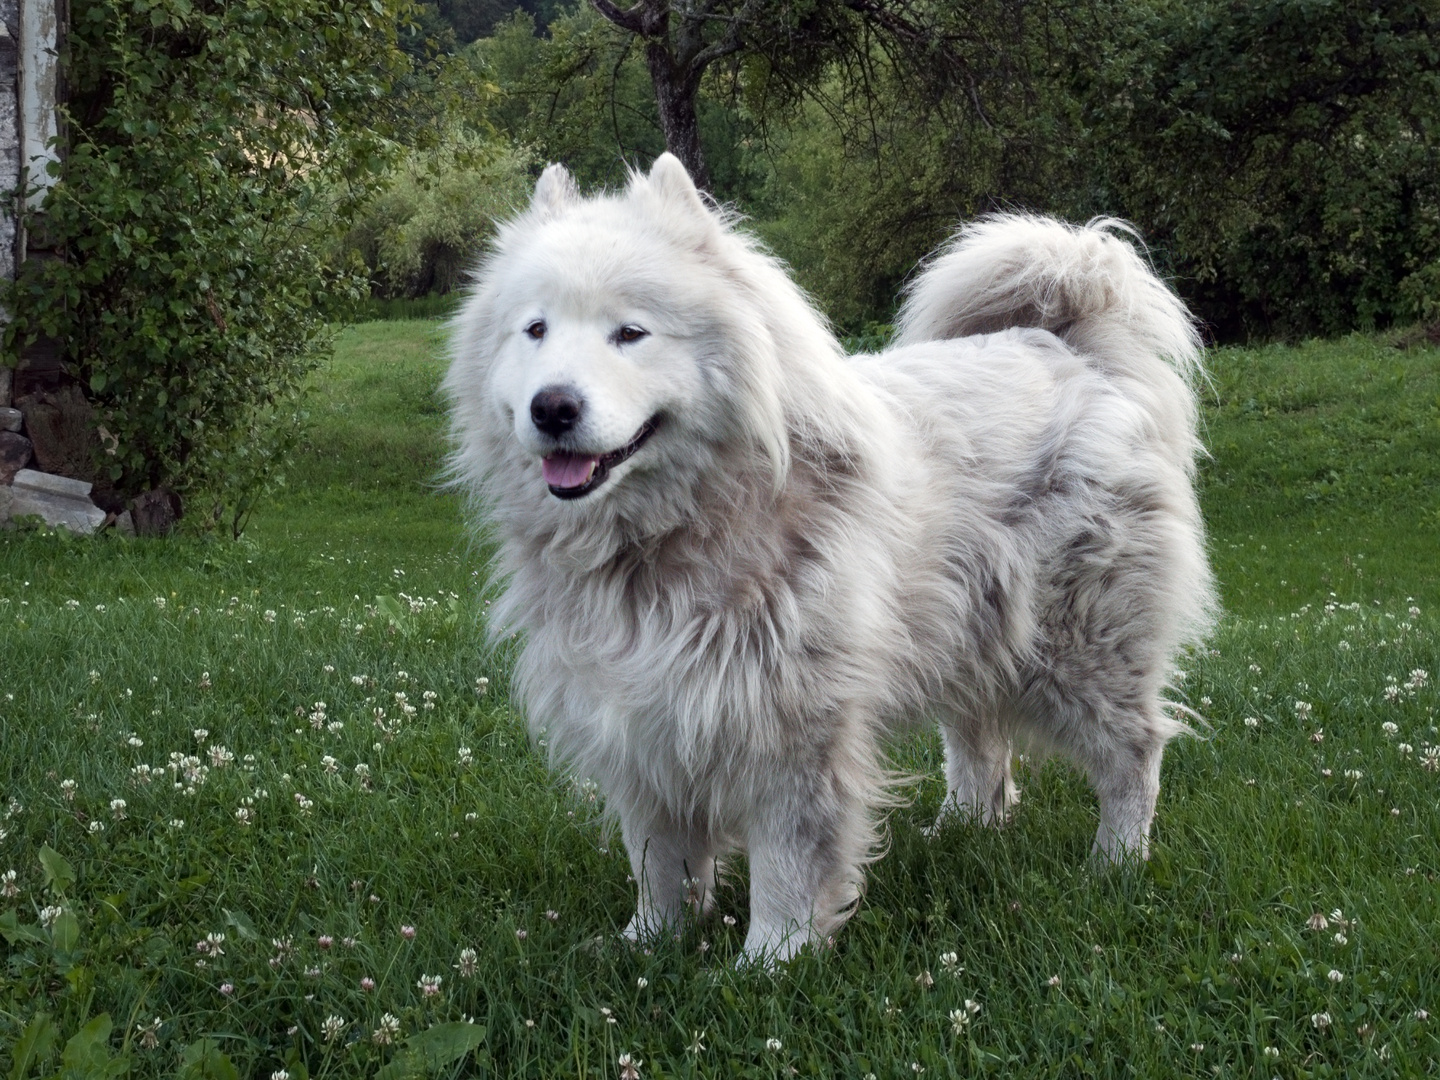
{"x":977,"y":772}
{"x":1126,"y":779}
{"x":674,"y":870}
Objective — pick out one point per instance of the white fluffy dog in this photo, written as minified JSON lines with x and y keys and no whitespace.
{"x":738,"y":556}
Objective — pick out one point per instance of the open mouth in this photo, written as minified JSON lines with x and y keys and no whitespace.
{"x":571,"y":476}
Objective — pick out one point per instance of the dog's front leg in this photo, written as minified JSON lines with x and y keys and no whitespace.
{"x":806,"y":854}
{"x":674,"y":870}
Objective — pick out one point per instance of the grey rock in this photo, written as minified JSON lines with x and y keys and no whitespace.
{"x":59,"y":501}
{"x":10,"y":419}
{"x":7,"y":377}
{"x":6,"y":498}
{"x":61,"y":424}
{"x":155,"y":512}
{"x":14,"y":455}
{"x":125,"y":524}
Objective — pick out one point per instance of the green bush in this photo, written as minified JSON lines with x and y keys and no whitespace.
{"x":213,"y":147}
{"x":1286,"y":153}
{"x":421,"y":233}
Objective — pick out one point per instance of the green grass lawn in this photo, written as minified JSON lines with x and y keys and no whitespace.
{"x":169,"y":775}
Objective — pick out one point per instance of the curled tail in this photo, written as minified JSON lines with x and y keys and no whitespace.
{"x":1085,"y":284}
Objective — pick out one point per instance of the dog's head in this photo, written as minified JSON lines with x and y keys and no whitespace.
{"x":616,"y":348}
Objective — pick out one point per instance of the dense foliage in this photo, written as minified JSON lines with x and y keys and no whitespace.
{"x":1281,"y":156}
{"x":212,"y":147}
{"x":1286,"y":152}
{"x":419,"y":234}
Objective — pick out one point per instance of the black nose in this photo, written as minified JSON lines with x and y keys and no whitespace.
{"x":555,"y":410}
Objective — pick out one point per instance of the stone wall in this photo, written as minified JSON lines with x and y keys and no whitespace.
{"x":47,"y":432}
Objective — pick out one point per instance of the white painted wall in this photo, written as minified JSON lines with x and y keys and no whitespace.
{"x":39,"y":83}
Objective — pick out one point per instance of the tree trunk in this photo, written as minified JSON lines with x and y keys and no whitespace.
{"x":675,"y":94}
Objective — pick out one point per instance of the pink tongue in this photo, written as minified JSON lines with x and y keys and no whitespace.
{"x":568,"y":470}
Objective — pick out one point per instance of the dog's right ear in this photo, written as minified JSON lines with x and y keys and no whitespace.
{"x":554,"y":192}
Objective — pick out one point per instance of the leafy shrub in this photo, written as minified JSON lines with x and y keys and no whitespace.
{"x":208,"y":142}
{"x":1286,"y":153}
{"x":421,"y":233}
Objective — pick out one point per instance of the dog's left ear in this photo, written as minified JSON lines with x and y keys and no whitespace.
{"x":671,"y":184}
{"x":554,"y":191}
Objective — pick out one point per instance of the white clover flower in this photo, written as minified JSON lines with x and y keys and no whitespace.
{"x":97,"y":826}
{"x":135,"y":741}
{"x":1252,"y":721}
{"x":469,"y":963}
{"x":1053,"y":981}
{"x":49,"y":914}
{"x":117,"y":808}
{"x":924,"y":980}
{"x":244,"y":816}
{"x":773,"y":1044}
{"x":1320,"y":1020}
{"x":1303,"y":710}
{"x":629,"y":1067}
{"x":330,"y":765}
{"x":200,"y":733}
{"x":220,"y":756}
{"x":429,"y":985}
{"x":959,"y":1021}
{"x":149,"y":1033}
{"x":67,"y":790}
{"x":466,"y":756}
{"x":332,"y":1027}
{"x":1336,"y":976}
{"x":305,"y":805}
{"x":1390,"y":728}
{"x":950,"y":963}
{"x":7,"y":884}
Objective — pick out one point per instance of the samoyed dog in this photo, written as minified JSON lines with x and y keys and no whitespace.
{"x":737,"y":557}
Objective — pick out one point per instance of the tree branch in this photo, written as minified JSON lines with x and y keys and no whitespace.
{"x":646,"y":18}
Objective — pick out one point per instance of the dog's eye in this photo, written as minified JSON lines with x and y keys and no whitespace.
{"x":536,"y":329}
{"x":627,"y":334}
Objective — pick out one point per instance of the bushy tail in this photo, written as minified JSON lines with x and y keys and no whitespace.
{"x":1085,"y":284}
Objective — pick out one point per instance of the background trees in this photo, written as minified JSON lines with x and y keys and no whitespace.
{"x":238,"y":171}
{"x":1281,"y":156}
